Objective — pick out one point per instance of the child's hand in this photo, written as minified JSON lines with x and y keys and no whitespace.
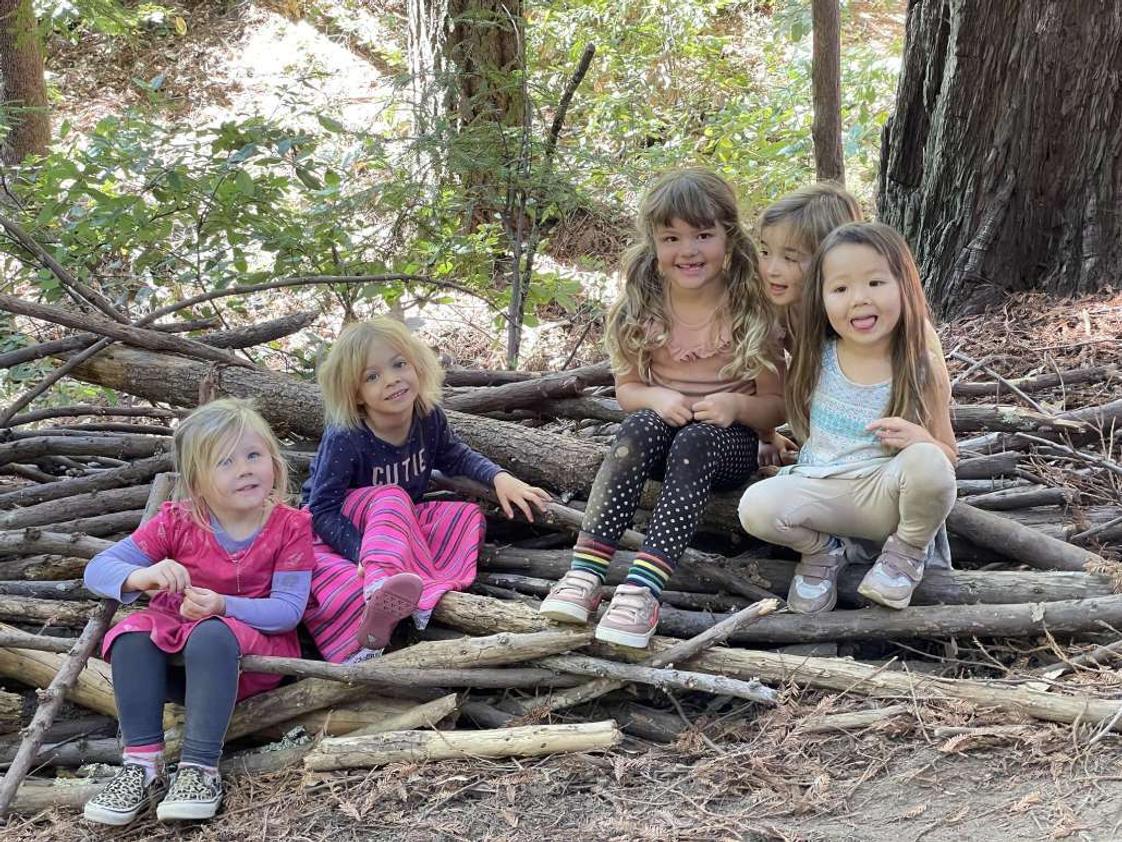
{"x":898,"y":432}
{"x":672,"y":407}
{"x":718,"y":410}
{"x":168,"y":575}
{"x":777,"y":452}
{"x":510,"y":489}
{"x":200,"y":603}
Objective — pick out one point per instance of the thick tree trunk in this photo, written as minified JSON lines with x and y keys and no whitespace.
{"x":23,"y":88}
{"x":1002,"y":164}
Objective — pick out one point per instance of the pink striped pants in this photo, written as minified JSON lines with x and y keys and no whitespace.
{"x":438,"y":541}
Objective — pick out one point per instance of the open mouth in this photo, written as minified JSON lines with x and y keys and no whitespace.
{"x":778,"y":290}
{"x":864,"y":323}
{"x":398,"y":395}
{"x":691,"y":267}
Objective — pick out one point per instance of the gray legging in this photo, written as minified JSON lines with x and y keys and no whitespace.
{"x":206,"y":685}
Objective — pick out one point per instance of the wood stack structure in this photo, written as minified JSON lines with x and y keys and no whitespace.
{"x":1034,"y":534}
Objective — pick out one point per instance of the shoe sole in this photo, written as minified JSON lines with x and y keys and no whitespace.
{"x":563,"y":612}
{"x":387,"y":607}
{"x":881,"y":599}
{"x":187,"y":811}
{"x":829,"y":606}
{"x":103,"y":815}
{"x":621,"y":638}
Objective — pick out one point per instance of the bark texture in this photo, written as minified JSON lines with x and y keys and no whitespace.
{"x":1002,"y":164}
{"x":23,"y":88}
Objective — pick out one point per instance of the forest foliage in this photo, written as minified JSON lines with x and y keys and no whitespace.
{"x":154,"y":207}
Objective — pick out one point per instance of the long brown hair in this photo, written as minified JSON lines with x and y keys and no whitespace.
{"x":702,"y":199}
{"x":911,"y":367}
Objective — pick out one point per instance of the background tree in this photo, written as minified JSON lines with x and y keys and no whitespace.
{"x":829,"y":162}
{"x":1002,"y":163}
{"x":23,"y":90}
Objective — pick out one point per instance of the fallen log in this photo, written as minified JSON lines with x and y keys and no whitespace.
{"x":1037,"y":382}
{"x":1020,"y":498}
{"x":116,"y":523}
{"x":43,"y":567}
{"x":37,"y":541}
{"x":119,"y":447}
{"x":939,"y":587}
{"x":833,"y":722}
{"x":424,"y":715}
{"x":11,"y":711}
{"x":987,"y":467}
{"x":664,"y":679}
{"x":137,"y":473}
{"x":341,"y":719}
{"x":714,"y":635}
{"x":1012,"y":540}
{"x":413,"y":746}
{"x":140,"y":337}
{"x":969,"y":418}
{"x":70,"y":589}
{"x":291,"y":405}
{"x":96,"y":410}
{"x":59,"y":793}
{"x":77,"y":506}
{"x":516,"y":395}
{"x":460,"y":610}
{"x":290,"y":701}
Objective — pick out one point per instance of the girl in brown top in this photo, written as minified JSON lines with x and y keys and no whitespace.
{"x":699,"y":367}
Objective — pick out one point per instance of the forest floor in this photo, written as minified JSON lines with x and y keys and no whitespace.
{"x":739,"y":773}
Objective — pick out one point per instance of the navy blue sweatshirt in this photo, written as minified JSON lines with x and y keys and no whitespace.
{"x":355,"y":458}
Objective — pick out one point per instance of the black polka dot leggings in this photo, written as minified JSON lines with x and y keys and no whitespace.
{"x":692,"y":462}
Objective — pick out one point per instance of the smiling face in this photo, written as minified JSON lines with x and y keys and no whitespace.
{"x":783,"y":263}
{"x":861,"y":295}
{"x":242,"y":480}
{"x":388,"y":387}
{"x":690,"y":258}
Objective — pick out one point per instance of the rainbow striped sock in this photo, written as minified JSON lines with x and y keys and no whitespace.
{"x":592,"y":556}
{"x":649,"y":571}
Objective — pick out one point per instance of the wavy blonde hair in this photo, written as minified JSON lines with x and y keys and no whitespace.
{"x":912,"y":378}
{"x":340,"y":375}
{"x":206,"y":437}
{"x":702,"y":199}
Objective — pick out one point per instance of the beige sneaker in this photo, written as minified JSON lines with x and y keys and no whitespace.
{"x":814,"y":586}
{"x":631,"y":619}
{"x":573,"y":599}
{"x":894,"y":577}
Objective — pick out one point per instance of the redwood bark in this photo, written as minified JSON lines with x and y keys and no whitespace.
{"x":1002,"y":164}
{"x":23,"y":88}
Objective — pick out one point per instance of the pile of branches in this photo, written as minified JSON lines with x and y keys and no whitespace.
{"x":1034,"y":533}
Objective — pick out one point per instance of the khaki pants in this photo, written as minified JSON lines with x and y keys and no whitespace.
{"x":910,"y":496}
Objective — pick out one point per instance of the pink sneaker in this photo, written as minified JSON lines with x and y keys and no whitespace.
{"x":387,"y":606}
{"x":573,"y":599}
{"x":631,"y":619}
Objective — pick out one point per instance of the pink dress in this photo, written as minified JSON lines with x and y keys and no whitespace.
{"x":283,"y":544}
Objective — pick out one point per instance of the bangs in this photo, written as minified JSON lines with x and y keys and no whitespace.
{"x":682,"y":198}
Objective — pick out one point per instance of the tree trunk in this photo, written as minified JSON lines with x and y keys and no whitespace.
{"x":23,"y":88}
{"x":829,"y":163}
{"x":1001,"y":163}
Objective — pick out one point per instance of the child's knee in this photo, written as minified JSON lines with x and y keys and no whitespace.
{"x":212,"y":639}
{"x":925,"y":469}
{"x":759,"y":512}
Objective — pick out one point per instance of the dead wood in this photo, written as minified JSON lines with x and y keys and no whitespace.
{"x":11,"y":711}
{"x":987,"y":467}
{"x":416,"y":716}
{"x":114,"y":524}
{"x":1020,"y":498}
{"x":37,"y":541}
{"x":140,"y":337}
{"x":1038,"y":382}
{"x":119,"y":447}
{"x":664,"y":679}
{"x":138,"y":472}
{"x":562,"y":463}
{"x":968,"y":418}
{"x":855,"y":719}
{"x":949,"y":587}
{"x":82,"y":410}
{"x":61,"y":589}
{"x":413,"y":746}
{"x":284,"y":703}
{"x":104,"y":501}
{"x":1021,"y":543}
{"x":517,"y":395}
{"x":79,"y":341}
{"x":43,"y":567}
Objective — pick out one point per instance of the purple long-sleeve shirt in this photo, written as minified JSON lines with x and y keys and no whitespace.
{"x":279,"y":612}
{"x":356,"y":458}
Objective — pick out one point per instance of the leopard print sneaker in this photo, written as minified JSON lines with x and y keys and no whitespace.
{"x":195,"y":794}
{"x":124,"y":797}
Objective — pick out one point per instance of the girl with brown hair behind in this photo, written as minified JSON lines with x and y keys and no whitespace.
{"x":870,"y":399}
